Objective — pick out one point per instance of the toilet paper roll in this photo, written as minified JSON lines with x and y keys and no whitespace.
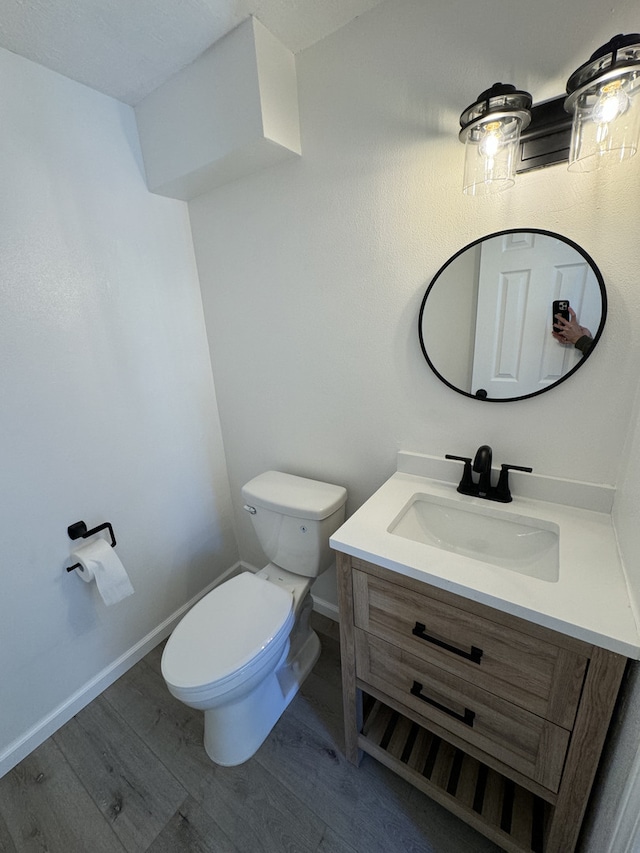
{"x":100,"y":562}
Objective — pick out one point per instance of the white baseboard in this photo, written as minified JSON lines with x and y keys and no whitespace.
{"x":45,"y":727}
{"x":326,"y":608}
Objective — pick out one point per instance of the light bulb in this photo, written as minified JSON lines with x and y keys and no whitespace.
{"x":612,"y":102}
{"x":492,"y":141}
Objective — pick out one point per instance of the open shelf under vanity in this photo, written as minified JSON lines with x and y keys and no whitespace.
{"x":507,"y":813}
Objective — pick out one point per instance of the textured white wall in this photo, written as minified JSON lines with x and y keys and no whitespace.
{"x":313,"y":271}
{"x":108,"y":407}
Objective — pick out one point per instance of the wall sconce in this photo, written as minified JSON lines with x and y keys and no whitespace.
{"x":596,"y":123}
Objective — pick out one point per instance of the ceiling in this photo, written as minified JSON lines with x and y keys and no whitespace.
{"x":127,"y":48}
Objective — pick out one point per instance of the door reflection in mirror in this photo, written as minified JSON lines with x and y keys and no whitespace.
{"x":486,"y":321}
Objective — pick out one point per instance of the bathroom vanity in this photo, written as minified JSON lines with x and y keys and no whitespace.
{"x":487,"y":678}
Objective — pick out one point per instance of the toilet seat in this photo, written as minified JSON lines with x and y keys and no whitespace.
{"x":227,"y":634}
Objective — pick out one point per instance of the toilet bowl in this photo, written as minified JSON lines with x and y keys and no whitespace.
{"x":242,"y":652}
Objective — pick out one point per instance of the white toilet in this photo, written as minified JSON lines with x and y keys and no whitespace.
{"x":242,"y":652}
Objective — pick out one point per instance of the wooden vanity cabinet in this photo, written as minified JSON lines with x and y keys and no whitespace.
{"x":498,"y":719}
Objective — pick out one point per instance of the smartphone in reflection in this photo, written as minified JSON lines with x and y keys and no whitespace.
{"x":560,"y":306}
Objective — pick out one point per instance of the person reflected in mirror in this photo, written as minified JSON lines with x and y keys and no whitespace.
{"x":571,"y":332}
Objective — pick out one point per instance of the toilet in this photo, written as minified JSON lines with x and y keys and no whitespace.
{"x":242,"y":652}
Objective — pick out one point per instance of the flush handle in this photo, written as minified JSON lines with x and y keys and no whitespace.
{"x":467,"y":718}
{"x":474,"y":655}
{"x":250,"y":509}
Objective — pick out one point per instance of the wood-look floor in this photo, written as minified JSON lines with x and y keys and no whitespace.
{"x":129,"y":773}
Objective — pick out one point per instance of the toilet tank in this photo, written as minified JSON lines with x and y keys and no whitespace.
{"x":294,"y":518}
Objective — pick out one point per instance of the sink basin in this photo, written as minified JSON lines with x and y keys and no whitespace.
{"x":487,"y":534}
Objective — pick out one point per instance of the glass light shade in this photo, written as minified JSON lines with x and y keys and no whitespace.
{"x":491,"y":150}
{"x":606,"y":122}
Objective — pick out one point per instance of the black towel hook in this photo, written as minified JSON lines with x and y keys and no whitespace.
{"x":79,"y":530}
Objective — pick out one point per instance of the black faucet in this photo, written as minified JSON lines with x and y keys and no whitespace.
{"x":482,"y":466}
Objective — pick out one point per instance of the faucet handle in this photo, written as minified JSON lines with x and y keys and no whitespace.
{"x":502,"y":492}
{"x":466,"y":485}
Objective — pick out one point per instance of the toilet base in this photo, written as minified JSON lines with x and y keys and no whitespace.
{"x":234,"y":732}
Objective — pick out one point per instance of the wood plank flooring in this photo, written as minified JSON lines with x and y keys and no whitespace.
{"x":129,"y":774}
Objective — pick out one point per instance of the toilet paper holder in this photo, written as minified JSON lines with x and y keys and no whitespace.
{"x":79,"y":530}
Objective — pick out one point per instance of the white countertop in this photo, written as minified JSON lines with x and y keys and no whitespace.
{"x":589,"y":601}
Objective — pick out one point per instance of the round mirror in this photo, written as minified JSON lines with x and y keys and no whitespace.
{"x":486,"y":323}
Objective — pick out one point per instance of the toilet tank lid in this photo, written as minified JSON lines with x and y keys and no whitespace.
{"x":292,"y":495}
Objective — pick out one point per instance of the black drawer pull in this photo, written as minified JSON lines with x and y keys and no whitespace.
{"x":466,"y":718}
{"x":474,"y":655}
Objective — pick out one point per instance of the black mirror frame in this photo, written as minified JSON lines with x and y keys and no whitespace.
{"x":596,"y":337}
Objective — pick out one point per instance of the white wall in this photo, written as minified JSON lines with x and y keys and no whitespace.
{"x":313,"y":271}
{"x":108,"y":406}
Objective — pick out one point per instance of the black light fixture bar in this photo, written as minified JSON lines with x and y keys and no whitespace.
{"x":596,"y":123}
{"x":546,"y":140}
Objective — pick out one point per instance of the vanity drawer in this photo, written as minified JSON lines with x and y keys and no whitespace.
{"x":529,"y":744}
{"x":526,"y":669}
